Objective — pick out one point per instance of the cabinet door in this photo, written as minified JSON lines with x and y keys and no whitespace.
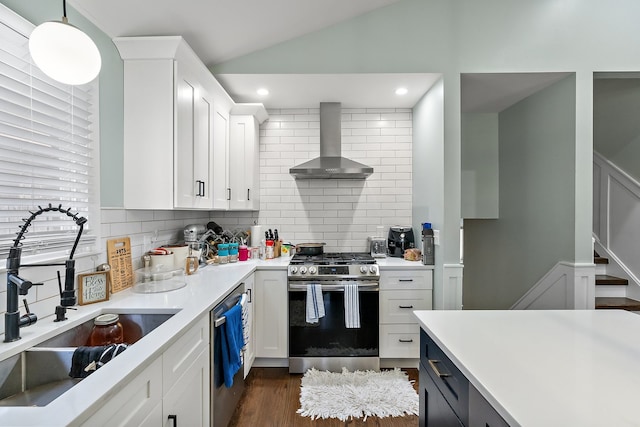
{"x":134,"y":404}
{"x":250,"y":352}
{"x":481,"y":413}
{"x":221,"y":189}
{"x":243,"y":162}
{"x":186,"y":403}
{"x":434,"y":409}
{"x":271,"y":314}
{"x":193,"y":143}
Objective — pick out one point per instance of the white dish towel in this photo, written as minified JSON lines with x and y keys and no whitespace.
{"x":351,"y":306}
{"x":315,"y":303}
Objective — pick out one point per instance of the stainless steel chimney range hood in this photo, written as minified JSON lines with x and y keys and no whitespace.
{"x":331,"y":164}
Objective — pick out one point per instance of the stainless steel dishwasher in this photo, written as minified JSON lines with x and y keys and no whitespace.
{"x":224,"y":400}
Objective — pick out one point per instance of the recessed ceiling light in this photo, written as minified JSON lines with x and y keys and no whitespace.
{"x":262,"y":92}
{"x":401,"y":91}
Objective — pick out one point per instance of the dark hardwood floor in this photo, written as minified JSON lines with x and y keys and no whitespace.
{"x":272,"y":397}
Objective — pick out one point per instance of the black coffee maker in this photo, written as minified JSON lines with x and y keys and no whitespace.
{"x":400,"y":238}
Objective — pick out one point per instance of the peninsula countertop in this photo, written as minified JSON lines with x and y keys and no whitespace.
{"x":203,"y":291}
{"x":546,"y":367}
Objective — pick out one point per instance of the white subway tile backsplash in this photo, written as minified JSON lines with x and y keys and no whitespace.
{"x":341,"y":213}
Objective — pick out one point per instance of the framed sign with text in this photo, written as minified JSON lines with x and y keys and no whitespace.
{"x":93,"y":287}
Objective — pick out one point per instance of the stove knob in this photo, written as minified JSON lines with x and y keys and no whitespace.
{"x":363,"y":269}
{"x":303,"y":270}
{"x":294,"y":270}
{"x":312,"y":270}
{"x":373,"y":269}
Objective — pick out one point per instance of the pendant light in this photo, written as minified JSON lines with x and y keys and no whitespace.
{"x":64,"y":52}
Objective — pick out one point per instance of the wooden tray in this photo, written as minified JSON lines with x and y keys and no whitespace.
{"x":119,"y":258}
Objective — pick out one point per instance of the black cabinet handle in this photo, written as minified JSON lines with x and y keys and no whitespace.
{"x":248,"y":194}
{"x":406,"y":280}
{"x":249,"y":292}
{"x":200,"y":191}
{"x":405,"y":306}
{"x":173,"y":418}
{"x":401,"y":340}
{"x":228,"y":193}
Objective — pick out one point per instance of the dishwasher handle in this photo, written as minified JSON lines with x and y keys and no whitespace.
{"x":223,"y":319}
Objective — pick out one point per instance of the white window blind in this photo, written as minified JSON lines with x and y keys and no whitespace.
{"x":47,"y":151}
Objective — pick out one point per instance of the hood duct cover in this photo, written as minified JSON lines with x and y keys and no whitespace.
{"x":330,"y":164}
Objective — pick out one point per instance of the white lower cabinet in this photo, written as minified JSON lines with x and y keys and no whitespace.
{"x":185,"y":404}
{"x":401,"y":292}
{"x":250,"y":345}
{"x":134,"y":404}
{"x":271,"y":314}
{"x":174,"y":388}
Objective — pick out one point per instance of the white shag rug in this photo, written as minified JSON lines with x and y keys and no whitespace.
{"x":357,"y":394}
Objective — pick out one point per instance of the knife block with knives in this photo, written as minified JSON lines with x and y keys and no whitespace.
{"x":277,"y":243}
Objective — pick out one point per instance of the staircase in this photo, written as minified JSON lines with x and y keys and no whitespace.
{"x":611,"y":290}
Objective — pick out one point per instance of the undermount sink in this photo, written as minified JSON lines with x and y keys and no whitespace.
{"x":40,"y":374}
{"x":135,"y":326}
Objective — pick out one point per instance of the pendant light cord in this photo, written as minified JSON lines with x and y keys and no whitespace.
{"x":64,"y":8}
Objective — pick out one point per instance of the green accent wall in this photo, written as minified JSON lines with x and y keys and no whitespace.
{"x":536,"y":225}
{"x":616,"y":128}
{"x":111,"y":92}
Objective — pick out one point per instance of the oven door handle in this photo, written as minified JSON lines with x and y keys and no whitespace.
{"x":336,"y":287}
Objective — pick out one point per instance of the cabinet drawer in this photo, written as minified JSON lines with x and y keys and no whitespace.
{"x":181,"y":355}
{"x":400,"y":341}
{"x":397,"y":306}
{"x":452,"y":383}
{"x":405,"y":279}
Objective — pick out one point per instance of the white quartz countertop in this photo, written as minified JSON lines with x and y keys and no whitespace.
{"x":547,"y":368}
{"x":204,"y":290}
{"x":393,"y":262}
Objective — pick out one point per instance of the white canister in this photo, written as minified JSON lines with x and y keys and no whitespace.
{"x":165,"y":260}
{"x":180,"y":254}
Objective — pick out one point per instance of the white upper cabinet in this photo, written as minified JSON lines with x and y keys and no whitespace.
{"x":193,"y":175}
{"x":244,"y":162}
{"x":172,"y":105}
{"x":221,"y":159}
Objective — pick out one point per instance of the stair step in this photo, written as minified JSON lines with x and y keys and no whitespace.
{"x":620,"y":303}
{"x":605,"y":279}
{"x":597,"y":259}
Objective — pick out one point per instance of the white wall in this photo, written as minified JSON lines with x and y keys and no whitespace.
{"x":428,"y":172}
{"x":341,"y":213}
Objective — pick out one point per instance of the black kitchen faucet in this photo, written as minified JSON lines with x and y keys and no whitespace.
{"x":18,"y":286}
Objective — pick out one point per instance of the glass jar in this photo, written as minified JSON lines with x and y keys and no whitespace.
{"x":106,"y":330}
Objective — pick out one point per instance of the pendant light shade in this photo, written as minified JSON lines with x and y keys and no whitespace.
{"x":64,"y":52}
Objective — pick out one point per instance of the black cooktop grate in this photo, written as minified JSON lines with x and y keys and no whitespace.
{"x":334,"y":258}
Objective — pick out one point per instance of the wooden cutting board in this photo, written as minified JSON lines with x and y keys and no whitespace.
{"x":119,"y":258}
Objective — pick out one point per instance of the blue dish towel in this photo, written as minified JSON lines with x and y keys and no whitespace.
{"x":232,"y":343}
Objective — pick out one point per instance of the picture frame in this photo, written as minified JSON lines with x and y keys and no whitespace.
{"x":93,"y":287}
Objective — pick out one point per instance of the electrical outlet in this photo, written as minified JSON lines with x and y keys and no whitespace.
{"x":436,"y":237}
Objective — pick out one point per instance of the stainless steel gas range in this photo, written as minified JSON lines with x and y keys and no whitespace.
{"x":333,"y":312}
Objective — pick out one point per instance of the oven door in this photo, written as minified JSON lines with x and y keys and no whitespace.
{"x":329,"y":337}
